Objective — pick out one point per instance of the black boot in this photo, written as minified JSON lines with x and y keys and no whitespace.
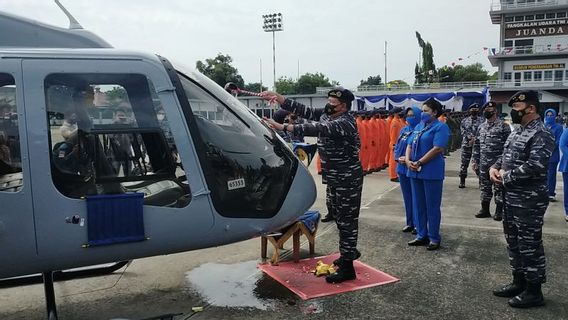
{"x":484,"y":212}
{"x":510,"y":290}
{"x":339,"y":262}
{"x":531,"y":297}
{"x":498,"y":212}
{"x":462,"y":182}
{"x":328,"y":217}
{"x":345,"y":273}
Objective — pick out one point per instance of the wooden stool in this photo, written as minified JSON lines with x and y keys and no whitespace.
{"x":278,"y":240}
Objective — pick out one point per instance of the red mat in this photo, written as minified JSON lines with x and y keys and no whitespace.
{"x":298,"y":278}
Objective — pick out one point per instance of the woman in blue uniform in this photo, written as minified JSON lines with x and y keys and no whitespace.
{"x":556,"y":131}
{"x":564,"y":168}
{"x":425,"y":162}
{"x":413,"y":119}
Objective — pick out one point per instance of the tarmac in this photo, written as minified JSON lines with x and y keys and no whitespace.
{"x":454,"y":282}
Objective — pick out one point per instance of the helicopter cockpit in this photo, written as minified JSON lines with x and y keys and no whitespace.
{"x":106,"y":138}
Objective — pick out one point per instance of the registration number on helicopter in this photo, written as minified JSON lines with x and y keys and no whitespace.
{"x":236,"y":184}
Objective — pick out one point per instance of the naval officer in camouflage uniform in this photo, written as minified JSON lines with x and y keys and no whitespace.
{"x":469,"y":128}
{"x":487,"y":148}
{"x":522,"y":170}
{"x":338,"y":146}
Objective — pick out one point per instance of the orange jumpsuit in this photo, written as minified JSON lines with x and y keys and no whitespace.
{"x":363,"y":138}
{"x":395,"y":127}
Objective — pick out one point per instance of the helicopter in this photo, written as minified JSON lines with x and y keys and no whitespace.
{"x":110,"y":155}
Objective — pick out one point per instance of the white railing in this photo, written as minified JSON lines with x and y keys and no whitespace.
{"x":498,"y":5}
{"x":457,"y":86}
{"x":536,"y":49}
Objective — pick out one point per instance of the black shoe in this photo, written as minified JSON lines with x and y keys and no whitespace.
{"x":395,"y":180}
{"x":407,"y":229}
{"x":510,"y":290}
{"x":462,"y":182}
{"x":328,"y":217}
{"x":419,"y":242}
{"x":345,"y":273}
{"x":531,"y":297}
{"x":414,"y":232}
{"x":484,"y":212}
{"x":433,"y":246}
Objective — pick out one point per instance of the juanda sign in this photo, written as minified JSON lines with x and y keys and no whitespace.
{"x":536,"y":29}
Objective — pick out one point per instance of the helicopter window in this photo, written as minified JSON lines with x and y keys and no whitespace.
{"x":11,"y":179}
{"x":109,"y":134}
{"x":247,"y":168}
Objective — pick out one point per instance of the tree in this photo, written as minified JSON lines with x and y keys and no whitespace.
{"x":220,"y":70}
{"x":426,"y":72}
{"x":308,"y":83}
{"x":398,"y":84}
{"x":459,"y":73}
{"x":372,"y":81}
{"x":254,"y":87}
{"x":116,"y":95}
{"x":286,"y":86}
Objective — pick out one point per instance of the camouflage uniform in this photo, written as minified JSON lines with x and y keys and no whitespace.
{"x":487,"y":148}
{"x":469,"y":128}
{"x":525,"y":162}
{"x":338,"y":147}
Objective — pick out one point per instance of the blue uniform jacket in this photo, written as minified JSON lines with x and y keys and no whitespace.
{"x":564,"y":148}
{"x":402,"y":143}
{"x":556,"y":131}
{"x":435,"y":134}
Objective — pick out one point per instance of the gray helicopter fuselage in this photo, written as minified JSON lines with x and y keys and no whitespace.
{"x":223,"y":177}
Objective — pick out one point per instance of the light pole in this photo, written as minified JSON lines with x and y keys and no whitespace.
{"x":273,"y":23}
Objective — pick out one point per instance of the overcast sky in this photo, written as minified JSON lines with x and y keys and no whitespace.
{"x":342,"y":39}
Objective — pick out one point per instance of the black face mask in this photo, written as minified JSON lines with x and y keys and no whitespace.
{"x":517,"y":116}
{"x":488,"y":114}
{"x":474,"y":113}
{"x":330,"y":109}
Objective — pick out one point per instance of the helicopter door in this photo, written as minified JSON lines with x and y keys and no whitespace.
{"x":113,"y":128}
{"x":17,"y":234}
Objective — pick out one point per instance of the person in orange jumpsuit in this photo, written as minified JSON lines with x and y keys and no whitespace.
{"x":375,"y":142}
{"x":395,"y":127}
{"x":361,"y":129}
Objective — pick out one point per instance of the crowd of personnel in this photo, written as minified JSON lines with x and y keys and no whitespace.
{"x":515,"y":165}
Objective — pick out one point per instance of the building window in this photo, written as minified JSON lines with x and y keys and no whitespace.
{"x":566,"y":75}
{"x":519,"y":18}
{"x":109,"y":134}
{"x":539,"y":16}
{"x":527,"y":76}
{"x":11,"y":179}
{"x":538,"y":76}
{"x":508,"y":43}
{"x":561,"y":15}
{"x":551,"y":15}
{"x":558,"y":75}
{"x":529,"y":17}
{"x":509,"y":19}
{"x":507,"y":77}
{"x":548,"y":75}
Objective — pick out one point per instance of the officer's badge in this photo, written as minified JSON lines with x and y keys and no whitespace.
{"x":338,"y":94}
{"x":522,"y":97}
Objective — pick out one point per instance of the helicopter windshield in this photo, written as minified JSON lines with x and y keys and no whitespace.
{"x":247,"y":166}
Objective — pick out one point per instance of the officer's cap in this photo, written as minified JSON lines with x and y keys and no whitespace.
{"x":474,"y":105}
{"x":341,"y":94}
{"x":489,"y":104}
{"x":529,"y":96}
